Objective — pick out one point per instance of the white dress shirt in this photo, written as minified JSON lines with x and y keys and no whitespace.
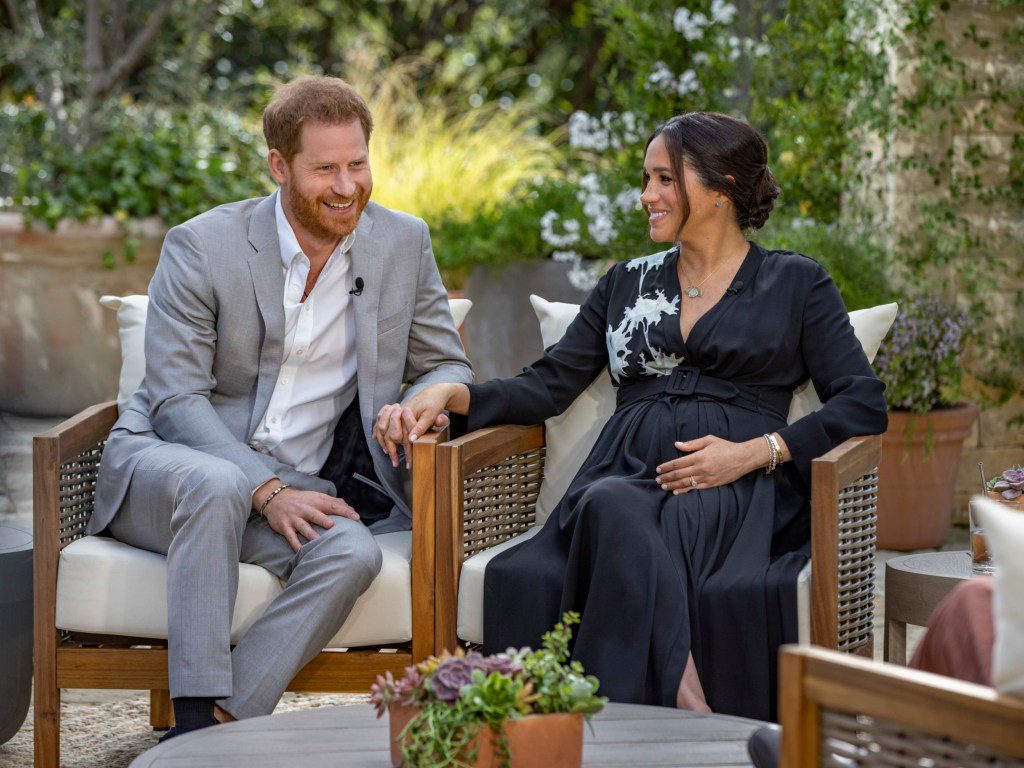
{"x":317,"y":381}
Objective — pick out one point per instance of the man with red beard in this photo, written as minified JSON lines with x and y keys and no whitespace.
{"x":277,"y":328}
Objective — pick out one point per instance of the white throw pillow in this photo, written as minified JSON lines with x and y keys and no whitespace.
{"x":571,"y":435}
{"x":1004,"y":531}
{"x":131,"y":320}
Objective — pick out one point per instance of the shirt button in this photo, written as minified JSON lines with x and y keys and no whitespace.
{"x":284,"y":379}
{"x":299,"y":352}
{"x":273,"y":419}
{"x":295,"y":286}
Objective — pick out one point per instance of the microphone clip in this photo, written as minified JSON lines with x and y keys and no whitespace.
{"x":358,"y":290}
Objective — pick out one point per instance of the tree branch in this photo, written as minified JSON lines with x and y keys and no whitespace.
{"x":130,"y":58}
{"x":12,"y":14}
{"x":93,"y":41}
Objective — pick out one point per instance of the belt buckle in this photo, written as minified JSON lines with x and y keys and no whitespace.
{"x":683,"y":380}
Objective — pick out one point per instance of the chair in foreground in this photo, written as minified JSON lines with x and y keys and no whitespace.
{"x":487,"y":487}
{"x":101,"y":605}
{"x":841,"y":711}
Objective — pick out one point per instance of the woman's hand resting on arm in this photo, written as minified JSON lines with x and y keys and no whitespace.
{"x":712,"y":461}
{"x":401,"y":423}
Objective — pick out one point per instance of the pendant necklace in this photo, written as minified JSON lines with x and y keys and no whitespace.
{"x":694,"y":291}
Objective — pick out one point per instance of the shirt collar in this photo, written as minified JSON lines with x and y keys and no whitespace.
{"x":290,"y":247}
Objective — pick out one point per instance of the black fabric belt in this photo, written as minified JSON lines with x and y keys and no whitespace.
{"x":689,"y":381}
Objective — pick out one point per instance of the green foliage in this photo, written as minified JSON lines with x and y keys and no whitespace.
{"x":171,"y":164}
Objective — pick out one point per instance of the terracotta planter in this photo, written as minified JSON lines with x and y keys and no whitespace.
{"x":59,"y":350}
{"x":917,"y":475}
{"x":536,"y":741}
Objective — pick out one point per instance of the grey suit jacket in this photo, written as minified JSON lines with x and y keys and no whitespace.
{"x":215,"y":339}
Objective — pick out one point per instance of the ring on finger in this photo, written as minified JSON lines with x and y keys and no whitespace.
{"x":693,"y":483}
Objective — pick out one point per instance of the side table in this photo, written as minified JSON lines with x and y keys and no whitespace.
{"x":914,"y":587}
{"x":15,"y":628}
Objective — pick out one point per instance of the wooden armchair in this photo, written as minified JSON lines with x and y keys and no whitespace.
{"x":841,"y":711}
{"x":66,"y":460}
{"x":487,"y":486}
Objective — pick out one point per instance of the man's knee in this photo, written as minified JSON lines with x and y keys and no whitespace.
{"x":354,"y":545}
{"x":217,"y":487}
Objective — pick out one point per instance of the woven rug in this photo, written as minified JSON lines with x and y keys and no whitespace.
{"x":111,"y":735}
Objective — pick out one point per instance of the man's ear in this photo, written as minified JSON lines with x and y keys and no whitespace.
{"x":278,"y":166}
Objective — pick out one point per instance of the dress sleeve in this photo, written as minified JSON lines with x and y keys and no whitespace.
{"x":551,"y":384}
{"x":854,"y":403}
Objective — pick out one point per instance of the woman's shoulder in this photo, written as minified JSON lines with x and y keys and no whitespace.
{"x":644,"y":264}
{"x":792,"y":263}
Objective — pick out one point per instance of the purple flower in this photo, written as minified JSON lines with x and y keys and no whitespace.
{"x":1015,"y":478}
{"x":449,"y":677}
{"x":502,"y":664}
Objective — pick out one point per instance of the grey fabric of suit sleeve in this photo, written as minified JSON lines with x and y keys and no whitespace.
{"x":181,"y":337}
{"x":435,"y":353}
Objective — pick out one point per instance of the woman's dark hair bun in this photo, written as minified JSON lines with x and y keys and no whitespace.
{"x":729,"y":156}
{"x":762,"y":200}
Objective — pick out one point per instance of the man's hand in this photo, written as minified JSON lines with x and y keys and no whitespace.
{"x":710,"y":462}
{"x":293,"y":513}
{"x":401,"y":424}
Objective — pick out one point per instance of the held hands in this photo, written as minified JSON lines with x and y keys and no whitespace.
{"x":709,"y":462}
{"x":293,"y":513}
{"x":401,"y":424}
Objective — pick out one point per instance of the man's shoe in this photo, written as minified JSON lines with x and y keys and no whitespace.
{"x":765,"y":747}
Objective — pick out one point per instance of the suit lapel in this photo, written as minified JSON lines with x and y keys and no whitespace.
{"x":367,"y":263}
{"x":268,"y":284}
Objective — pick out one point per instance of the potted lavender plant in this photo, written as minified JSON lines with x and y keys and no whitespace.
{"x":519,"y":709}
{"x":919,"y":362}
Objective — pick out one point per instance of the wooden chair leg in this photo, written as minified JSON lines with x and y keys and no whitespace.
{"x":161,"y":712}
{"x":46,"y":714}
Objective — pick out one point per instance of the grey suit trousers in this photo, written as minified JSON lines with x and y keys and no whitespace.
{"x":195,"y":508}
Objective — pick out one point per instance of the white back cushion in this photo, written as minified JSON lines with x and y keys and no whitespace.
{"x":1004,"y":531}
{"x":571,"y":434}
{"x":131,"y":321}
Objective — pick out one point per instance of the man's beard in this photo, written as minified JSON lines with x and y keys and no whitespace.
{"x":311,"y":216}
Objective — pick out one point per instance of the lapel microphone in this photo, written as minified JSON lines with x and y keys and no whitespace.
{"x":734,"y":288}
{"x":358,"y":290}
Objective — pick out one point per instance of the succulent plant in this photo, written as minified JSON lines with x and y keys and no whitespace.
{"x":1009,"y":484}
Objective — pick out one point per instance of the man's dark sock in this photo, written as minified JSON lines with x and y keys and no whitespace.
{"x":191,"y":714}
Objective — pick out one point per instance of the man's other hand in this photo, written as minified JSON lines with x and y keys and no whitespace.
{"x":293,"y":513}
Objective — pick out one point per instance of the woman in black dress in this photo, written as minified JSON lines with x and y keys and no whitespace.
{"x":675,"y":544}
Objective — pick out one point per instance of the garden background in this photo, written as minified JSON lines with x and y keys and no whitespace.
{"x":516,"y":131}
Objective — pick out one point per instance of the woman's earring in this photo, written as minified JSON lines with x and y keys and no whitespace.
{"x":719,"y":203}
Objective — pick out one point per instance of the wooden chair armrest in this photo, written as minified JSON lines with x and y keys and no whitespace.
{"x":839,"y":705}
{"x":487,"y":486}
{"x":844,"y":489}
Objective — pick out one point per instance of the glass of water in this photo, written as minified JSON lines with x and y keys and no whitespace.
{"x":981,"y":557}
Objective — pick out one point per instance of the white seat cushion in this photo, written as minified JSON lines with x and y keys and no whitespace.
{"x":107,"y":587}
{"x":470,"y":625}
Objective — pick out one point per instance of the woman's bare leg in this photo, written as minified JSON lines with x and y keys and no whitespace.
{"x":691,"y":693}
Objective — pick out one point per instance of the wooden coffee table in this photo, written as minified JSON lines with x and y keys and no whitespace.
{"x":352,"y":737}
{"x":914,"y":587}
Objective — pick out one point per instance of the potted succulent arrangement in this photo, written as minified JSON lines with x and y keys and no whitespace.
{"x":919,"y":361}
{"x":518,"y":709}
{"x":1006,"y":486}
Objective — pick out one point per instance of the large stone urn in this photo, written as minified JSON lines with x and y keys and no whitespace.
{"x":59,"y":350}
{"x":501,"y":332}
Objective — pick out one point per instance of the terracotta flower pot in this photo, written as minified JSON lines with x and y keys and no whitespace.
{"x":536,"y":741}
{"x":917,"y":475}
{"x":997,"y":496}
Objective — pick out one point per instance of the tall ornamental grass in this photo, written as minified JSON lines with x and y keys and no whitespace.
{"x":437,"y":158}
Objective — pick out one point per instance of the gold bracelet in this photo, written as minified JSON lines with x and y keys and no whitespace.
{"x":776,"y":451}
{"x":270,"y":498}
{"x":772,"y":460}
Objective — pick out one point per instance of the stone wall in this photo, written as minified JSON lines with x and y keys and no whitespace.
{"x":973,"y":32}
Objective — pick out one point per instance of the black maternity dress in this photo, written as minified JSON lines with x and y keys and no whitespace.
{"x":712,"y":572}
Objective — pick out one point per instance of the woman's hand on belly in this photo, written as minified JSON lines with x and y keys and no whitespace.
{"x":710,"y":462}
